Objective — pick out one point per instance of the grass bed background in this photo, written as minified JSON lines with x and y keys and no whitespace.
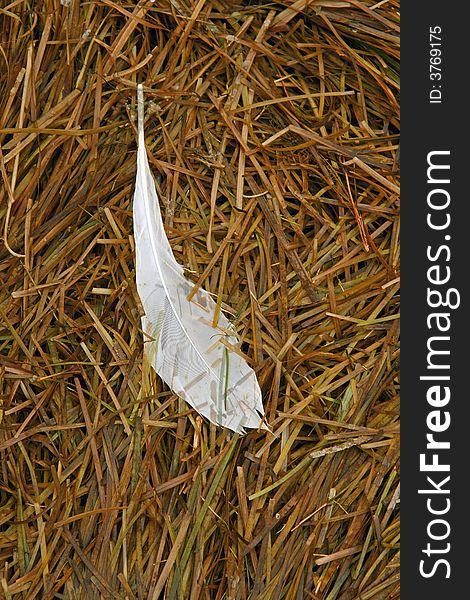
{"x":272,"y":130}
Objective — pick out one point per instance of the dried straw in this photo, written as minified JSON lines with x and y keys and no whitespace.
{"x":272,"y":130}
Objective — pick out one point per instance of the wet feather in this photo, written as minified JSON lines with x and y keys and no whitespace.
{"x":194,"y":358}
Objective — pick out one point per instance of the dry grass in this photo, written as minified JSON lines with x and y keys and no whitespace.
{"x":273,"y":135}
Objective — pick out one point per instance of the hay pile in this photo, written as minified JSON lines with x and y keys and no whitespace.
{"x":272,"y":130}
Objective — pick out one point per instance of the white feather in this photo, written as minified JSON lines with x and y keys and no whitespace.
{"x":191,"y":356}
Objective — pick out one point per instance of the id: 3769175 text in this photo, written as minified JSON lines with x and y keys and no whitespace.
{"x":435,"y":64}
